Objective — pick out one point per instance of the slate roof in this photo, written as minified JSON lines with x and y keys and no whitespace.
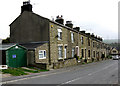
{"x":5,"y":46}
{"x":33,"y":45}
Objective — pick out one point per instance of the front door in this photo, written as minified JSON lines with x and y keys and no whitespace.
{"x":85,"y":53}
{"x":77,"y":50}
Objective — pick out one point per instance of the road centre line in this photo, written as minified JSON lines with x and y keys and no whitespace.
{"x":85,"y":76}
{"x":32,"y":77}
{"x":48,"y":75}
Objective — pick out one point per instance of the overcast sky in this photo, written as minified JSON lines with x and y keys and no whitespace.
{"x":95,"y":16}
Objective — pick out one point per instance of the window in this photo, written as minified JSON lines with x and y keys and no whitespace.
{"x":59,"y":34}
{"x":42,"y":54}
{"x":73,"y":52}
{"x":82,"y":41}
{"x":93,"y":53}
{"x":65,"y":52}
{"x":114,"y":51}
{"x":82,"y":51}
{"x":93,"y":44}
{"x":72,"y":37}
{"x":88,"y":42}
{"x":59,"y":52}
{"x":85,"y":53}
{"x":88,"y":53}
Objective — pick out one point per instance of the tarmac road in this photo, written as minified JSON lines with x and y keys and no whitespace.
{"x":103,"y":72}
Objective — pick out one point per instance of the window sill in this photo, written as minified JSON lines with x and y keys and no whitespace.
{"x":60,"y":59}
{"x":59,"y":39}
{"x":43,"y":58}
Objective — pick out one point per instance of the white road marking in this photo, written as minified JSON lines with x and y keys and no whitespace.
{"x":86,"y":76}
{"x":32,"y":77}
{"x":53,"y":74}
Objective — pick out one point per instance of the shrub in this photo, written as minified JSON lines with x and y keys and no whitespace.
{"x":92,"y":59}
{"x":77,"y":57}
{"x":85,"y":60}
{"x":109,"y":56}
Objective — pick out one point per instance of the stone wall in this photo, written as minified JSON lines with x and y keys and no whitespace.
{"x":30,"y":57}
{"x":29,"y":27}
{"x":42,"y":47}
{"x":65,"y":41}
{"x":65,"y":63}
{"x":54,"y":42}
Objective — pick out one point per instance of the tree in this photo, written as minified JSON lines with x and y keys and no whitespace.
{"x":7,"y":40}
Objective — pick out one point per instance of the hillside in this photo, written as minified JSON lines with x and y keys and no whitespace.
{"x":109,"y":41}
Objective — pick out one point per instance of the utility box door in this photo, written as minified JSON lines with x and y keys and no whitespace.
{"x":16,"y":57}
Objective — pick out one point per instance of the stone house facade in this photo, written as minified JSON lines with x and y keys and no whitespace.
{"x":60,"y":42}
{"x":114,"y":51}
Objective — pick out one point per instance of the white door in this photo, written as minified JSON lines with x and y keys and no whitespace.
{"x":65,"y":52}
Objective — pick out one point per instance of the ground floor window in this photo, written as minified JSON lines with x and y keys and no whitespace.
{"x":42,"y":54}
{"x":59,"y":52}
{"x":65,"y":52}
{"x":73,"y":52}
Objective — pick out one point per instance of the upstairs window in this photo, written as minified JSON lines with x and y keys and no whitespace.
{"x":93,"y":44}
{"x":42,"y":54}
{"x":88,"y":42}
{"x":72,"y":37}
{"x":59,"y":34}
{"x":82,"y":40}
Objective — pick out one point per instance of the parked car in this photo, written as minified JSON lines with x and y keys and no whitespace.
{"x":116,"y":57}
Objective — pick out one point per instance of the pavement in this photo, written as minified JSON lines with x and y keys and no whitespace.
{"x":103,"y":72}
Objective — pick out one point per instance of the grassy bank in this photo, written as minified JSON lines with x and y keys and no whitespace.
{"x":21,"y":71}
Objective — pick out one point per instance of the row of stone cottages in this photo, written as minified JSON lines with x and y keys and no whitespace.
{"x":51,"y":44}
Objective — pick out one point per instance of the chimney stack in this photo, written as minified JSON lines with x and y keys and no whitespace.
{"x":88,"y":34}
{"x":82,"y":31}
{"x":69,"y":24}
{"x":77,"y":28}
{"x":92,"y":35}
{"x":59,"y":19}
{"x":26,"y":7}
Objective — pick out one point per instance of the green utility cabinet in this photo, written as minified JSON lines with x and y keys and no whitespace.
{"x":16,"y":56}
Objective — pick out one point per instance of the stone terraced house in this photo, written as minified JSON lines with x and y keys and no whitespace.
{"x":51,"y":44}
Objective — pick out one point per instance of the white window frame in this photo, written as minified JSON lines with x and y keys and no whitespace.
{"x":73,"y":52}
{"x":82,"y":40}
{"x":42,"y":52}
{"x":72,"y":37}
{"x":59,"y":34}
{"x":60,"y":57}
{"x":65,"y":52}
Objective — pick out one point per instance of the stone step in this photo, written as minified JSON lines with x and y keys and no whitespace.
{"x":28,"y":68}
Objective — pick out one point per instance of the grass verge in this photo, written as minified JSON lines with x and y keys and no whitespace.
{"x":40,"y":70}
{"x":31,"y":71}
{"x":21,"y":71}
{"x":14,"y":72}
